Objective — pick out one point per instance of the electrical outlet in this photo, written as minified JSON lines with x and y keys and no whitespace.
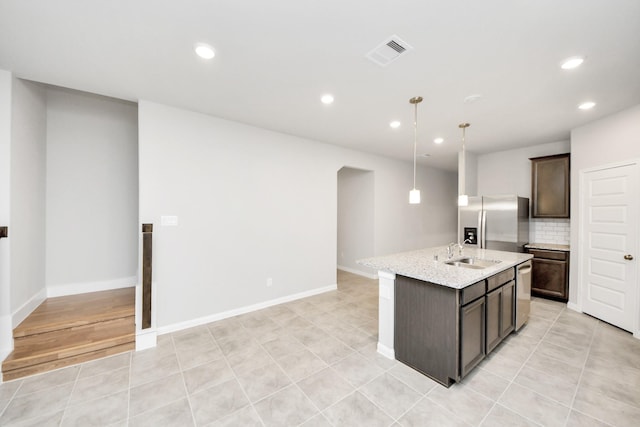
{"x":269,"y":281}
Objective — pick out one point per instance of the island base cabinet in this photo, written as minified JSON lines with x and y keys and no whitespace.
{"x":425,"y":332}
{"x":493,"y":319}
{"x":500,"y":314}
{"x":507,"y":309}
{"x":472,"y":335}
{"x":445,"y":332}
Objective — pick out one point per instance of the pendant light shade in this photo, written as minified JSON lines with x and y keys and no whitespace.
{"x":463,"y":198}
{"x":414,"y":195}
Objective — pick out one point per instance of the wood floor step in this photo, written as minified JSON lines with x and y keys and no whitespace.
{"x":8,"y":375}
{"x":77,"y":310}
{"x":70,"y":342}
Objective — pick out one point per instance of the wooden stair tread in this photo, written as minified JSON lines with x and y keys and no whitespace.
{"x":73,"y":329}
{"x":61,"y":363}
{"x":76,"y":310}
{"x":21,"y":360}
{"x":75,"y":336}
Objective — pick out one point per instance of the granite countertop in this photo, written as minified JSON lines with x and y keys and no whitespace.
{"x":547,"y":246}
{"x":421,"y":265}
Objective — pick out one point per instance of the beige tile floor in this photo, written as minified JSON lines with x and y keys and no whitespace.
{"x":313,"y":362}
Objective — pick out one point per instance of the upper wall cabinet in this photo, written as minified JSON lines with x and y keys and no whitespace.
{"x":550,"y":186}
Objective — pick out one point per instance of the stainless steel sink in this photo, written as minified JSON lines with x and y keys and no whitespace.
{"x":475,"y":263}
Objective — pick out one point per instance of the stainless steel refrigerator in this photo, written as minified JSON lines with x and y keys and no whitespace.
{"x":495,"y":222}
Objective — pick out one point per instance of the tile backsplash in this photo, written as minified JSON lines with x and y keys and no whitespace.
{"x":549,"y":230}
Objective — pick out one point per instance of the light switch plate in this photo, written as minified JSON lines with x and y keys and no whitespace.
{"x":169,"y":220}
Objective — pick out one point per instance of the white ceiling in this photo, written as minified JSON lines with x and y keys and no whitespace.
{"x":274,"y":59}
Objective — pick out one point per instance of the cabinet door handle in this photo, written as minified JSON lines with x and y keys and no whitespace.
{"x":628,"y":257}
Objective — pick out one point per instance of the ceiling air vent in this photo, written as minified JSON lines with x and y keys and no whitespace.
{"x":388,"y":51}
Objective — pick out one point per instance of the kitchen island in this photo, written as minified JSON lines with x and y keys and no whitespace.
{"x":442,"y":314}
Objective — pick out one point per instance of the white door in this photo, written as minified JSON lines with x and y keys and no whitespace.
{"x":609,"y":244}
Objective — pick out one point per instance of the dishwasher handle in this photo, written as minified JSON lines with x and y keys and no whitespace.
{"x":524,"y":270}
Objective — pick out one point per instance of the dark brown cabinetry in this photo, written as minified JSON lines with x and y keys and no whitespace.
{"x":445,"y":332}
{"x":550,"y":275}
{"x":500,"y":307}
{"x":472,"y":335}
{"x":507,"y":309}
{"x":550,"y":177}
{"x":425,"y":329}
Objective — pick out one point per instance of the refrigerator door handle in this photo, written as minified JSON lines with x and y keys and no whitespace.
{"x":480,"y":233}
{"x":484,"y":229}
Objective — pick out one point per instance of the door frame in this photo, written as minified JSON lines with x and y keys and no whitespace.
{"x":581,"y":288}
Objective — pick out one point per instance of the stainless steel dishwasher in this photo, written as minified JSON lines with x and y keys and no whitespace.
{"x":523,"y":293}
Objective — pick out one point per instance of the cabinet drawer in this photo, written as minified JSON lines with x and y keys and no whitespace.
{"x":539,"y":253}
{"x":500,"y":279}
{"x":473,"y":292}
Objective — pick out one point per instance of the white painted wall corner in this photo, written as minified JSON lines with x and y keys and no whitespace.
{"x":146,"y":338}
{"x":27,"y":308}
{"x":82,"y":288}
{"x":358,"y":272}
{"x":6,"y":337}
{"x":242,"y":310}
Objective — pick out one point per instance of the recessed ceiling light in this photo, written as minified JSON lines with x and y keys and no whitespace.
{"x":204,"y":51}
{"x":327,"y":99}
{"x":395,"y":124}
{"x":472,"y":98}
{"x":587,"y":105}
{"x":438,"y":140}
{"x":571,"y":63}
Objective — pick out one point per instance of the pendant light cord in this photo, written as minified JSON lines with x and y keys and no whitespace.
{"x":464,"y":154}
{"x":462,"y":174}
{"x":415,"y":142}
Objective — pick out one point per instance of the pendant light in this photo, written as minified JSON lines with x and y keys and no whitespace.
{"x":463,"y":198}
{"x":414,"y":195}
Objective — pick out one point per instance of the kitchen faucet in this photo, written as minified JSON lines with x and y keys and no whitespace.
{"x":460,"y":246}
{"x":451,"y":247}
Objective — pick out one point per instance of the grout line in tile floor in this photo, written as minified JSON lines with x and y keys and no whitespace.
{"x":129,"y":387}
{"x":329,"y":310}
{"x":512,"y":381}
{"x":584,"y":366}
{"x":184,"y":382}
{"x":73,"y":387}
{"x":570,"y":406}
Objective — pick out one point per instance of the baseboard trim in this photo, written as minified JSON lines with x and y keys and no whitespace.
{"x":387,"y":352}
{"x":574,"y":307}
{"x":358,"y":272}
{"x":6,"y":337}
{"x":242,"y":310}
{"x":83,"y":288}
{"x":27,"y":308}
{"x":146,"y":339}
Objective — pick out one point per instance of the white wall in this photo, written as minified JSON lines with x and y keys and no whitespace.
{"x":356,"y":223}
{"x":27,"y":195}
{"x":399,"y":225}
{"x":509,"y":172}
{"x":254,"y":204}
{"x":610,"y":140}
{"x":6,"y":341}
{"x":92,"y":192}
